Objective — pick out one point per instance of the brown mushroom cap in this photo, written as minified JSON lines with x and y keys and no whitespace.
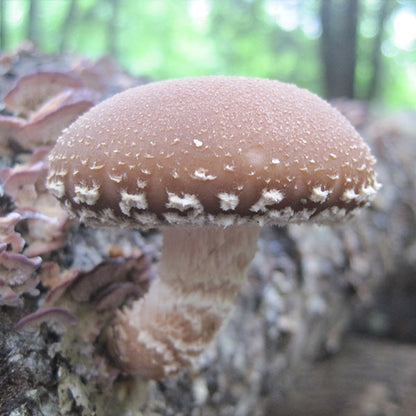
{"x":212,"y":150}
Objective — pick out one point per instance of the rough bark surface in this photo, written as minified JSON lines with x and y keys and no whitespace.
{"x":306,"y":287}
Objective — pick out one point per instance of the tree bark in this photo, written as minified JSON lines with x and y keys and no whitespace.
{"x":32,"y":30}
{"x":369,"y":377}
{"x":338,"y":46}
{"x":2,"y":24}
{"x":66,"y":27}
{"x":375,"y":59}
{"x":302,"y":289}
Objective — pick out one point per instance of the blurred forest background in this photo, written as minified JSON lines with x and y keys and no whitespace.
{"x":363,"y":49}
{"x":284,"y":350}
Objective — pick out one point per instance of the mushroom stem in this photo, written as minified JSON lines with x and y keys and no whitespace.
{"x":201,"y":271}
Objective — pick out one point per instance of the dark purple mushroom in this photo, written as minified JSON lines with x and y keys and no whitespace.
{"x":7,"y":296}
{"x":116,"y":270}
{"x":9,"y":131}
{"x":7,"y":233}
{"x":53,"y":315}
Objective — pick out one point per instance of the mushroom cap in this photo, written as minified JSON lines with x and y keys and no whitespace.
{"x":216,"y":150}
{"x":32,"y":90}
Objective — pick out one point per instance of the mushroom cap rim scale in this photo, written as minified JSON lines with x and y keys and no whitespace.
{"x":219,"y":150}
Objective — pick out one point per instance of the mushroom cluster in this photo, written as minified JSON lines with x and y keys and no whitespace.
{"x":33,"y":114}
{"x":41,"y":104}
{"x":39,"y":215}
{"x":209,"y":160}
{"x":88,"y":297}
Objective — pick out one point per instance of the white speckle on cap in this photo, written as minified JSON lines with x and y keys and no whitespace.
{"x":86,"y":194}
{"x":146,"y":219}
{"x":57,"y":188}
{"x":175,"y":174}
{"x":275,"y":161}
{"x":141,"y":184}
{"x":228,"y":202}
{"x":367,"y":193}
{"x":303,"y":215}
{"x":331,"y":215}
{"x":202,"y":175}
{"x":129,"y":201}
{"x":115,"y":178}
{"x":225,"y":220}
{"x":106,"y":217}
{"x":283,"y":215}
{"x":349,"y":195}
{"x":267,"y":198}
{"x":187,"y":201}
{"x":60,"y":172}
{"x":198,"y":143}
{"x":319,"y":195}
{"x":193,"y":217}
{"x":96,"y":167}
{"x":87,"y":216}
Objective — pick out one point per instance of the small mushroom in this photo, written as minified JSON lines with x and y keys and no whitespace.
{"x":46,"y":124}
{"x":57,"y":281}
{"x":44,"y":217}
{"x":17,"y":272}
{"x":208,"y":160}
{"x":7,"y":296}
{"x":135,"y":270}
{"x":9,"y":130}
{"x":8,"y":235}
{"x":16,"y":268}
{"x":33,"y":90}
{"x":64,"y":98}
{"x":57,"y":316}
{"x":20,"y":182}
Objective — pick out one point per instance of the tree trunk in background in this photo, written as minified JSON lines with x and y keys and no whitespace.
{"x":112,"y":29}
{"x":338,"y":46}
{"x":385,"y":8}
{"x":66,"y":27}
{"x":32,"y":30}
{"x":2,"y":25}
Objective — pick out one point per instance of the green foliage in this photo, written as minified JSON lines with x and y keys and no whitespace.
{"x":175,"y":38}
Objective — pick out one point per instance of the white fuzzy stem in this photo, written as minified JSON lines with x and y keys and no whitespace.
{"x":200,"y":272}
